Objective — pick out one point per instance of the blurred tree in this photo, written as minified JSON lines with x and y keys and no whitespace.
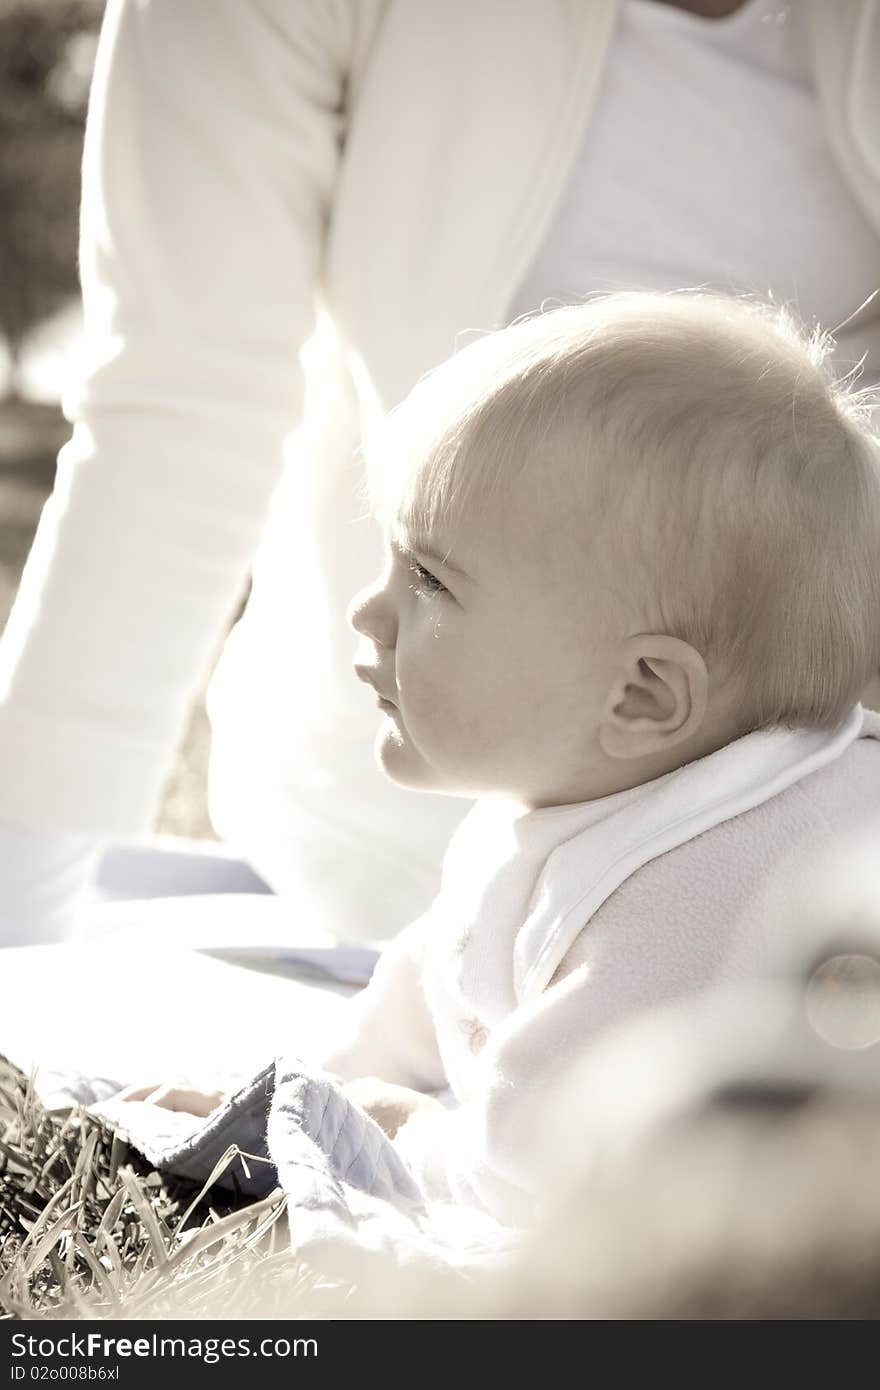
{"x":47,"y":52}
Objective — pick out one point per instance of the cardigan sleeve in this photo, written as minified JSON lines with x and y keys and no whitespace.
{"x":212,"y":146}
{"x":492,"y":1152}
{"x":499,"y":1150}
{"x":387,"y":1030}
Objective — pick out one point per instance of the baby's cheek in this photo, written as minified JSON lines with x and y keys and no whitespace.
{"x":427,"y":696}
{"x":459,"y":718}
{"x":427,"y":689}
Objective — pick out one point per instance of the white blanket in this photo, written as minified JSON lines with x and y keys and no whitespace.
{"x":355,"y":1211}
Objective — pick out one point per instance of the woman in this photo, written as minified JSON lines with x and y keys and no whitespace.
{"x":421,"y":169}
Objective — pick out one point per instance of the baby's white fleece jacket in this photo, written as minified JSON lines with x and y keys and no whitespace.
{"x":552,"y":925}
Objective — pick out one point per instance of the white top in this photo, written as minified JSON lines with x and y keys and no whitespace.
{"x":707,"y":163}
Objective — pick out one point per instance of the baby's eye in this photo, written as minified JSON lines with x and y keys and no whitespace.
{"x":426,"y":582}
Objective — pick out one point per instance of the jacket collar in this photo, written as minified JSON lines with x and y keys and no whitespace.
{"x":584,"y":871}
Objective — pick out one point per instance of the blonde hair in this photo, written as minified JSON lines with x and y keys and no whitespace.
{"x":732,"y":481}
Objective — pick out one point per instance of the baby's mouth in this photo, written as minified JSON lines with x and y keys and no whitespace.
{"x":367,"y":675}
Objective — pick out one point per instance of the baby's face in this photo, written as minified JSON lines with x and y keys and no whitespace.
{"x":490,"y":650}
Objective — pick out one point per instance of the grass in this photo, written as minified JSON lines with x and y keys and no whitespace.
{"x":89,"y":1230}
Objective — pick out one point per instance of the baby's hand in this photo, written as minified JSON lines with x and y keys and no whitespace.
{"x":390,"y":1106}
{"x":175,"y":1095}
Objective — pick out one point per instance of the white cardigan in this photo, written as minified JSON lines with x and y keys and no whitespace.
{"x":550,"y":928}
{"x":407,"y":156}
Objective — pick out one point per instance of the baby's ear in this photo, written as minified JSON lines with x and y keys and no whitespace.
{"x":658,"y":696}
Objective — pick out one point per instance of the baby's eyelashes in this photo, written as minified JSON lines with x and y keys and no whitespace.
{"x":425,"y":582}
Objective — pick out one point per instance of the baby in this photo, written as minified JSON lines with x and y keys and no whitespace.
{"x":630,"y":602}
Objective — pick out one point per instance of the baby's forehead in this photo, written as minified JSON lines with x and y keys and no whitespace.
{"x":522,"y":523}
{"x":421,"y":536}
{"x":447,"y":538}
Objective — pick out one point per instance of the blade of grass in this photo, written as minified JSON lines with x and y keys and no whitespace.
{"x":47,"y":1212}
{"x":98,"y":1273}
{"x":216,"y":1172}
{"x":90,"y":1140}
{"x":118,"y":1153}
{"x":228,"y":1225}
{"x":50,"y":1239}
{"x":20,"y":1159}
{"x":103,"y":1235}
{"x":147,"y":1216}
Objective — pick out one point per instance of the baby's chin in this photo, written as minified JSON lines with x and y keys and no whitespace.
{"x":402,"y":763}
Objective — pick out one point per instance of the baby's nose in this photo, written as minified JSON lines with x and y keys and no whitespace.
{"x":357,"y":609}
{"x":369,"y":613}
{"x":354,"y":612}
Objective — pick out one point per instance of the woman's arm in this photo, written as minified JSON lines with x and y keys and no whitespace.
{"x":212,"y":147}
